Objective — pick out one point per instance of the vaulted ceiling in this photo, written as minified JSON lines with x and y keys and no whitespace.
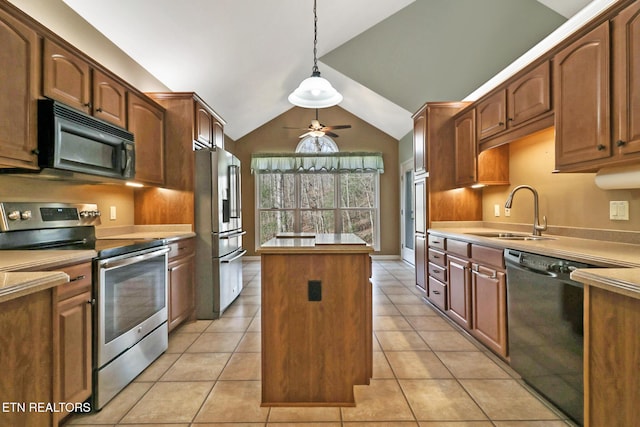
{"x":387,"y":57}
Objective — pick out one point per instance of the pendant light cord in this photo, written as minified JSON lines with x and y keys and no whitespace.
{"x":315,"y":71}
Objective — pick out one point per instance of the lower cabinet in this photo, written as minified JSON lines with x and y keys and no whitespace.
{"x":459,"y":295}
{"x":72,"y":337}
{"x":488,"y":305}
{"x":181,"y":282}
{"x":421,"y":262}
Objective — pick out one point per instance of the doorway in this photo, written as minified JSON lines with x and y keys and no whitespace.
{"x":407,"y":208}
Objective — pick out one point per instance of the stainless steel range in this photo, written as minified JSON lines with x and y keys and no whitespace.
{"x":129,"y":286}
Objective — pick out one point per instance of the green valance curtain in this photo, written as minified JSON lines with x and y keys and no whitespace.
{"x":330,"y":162}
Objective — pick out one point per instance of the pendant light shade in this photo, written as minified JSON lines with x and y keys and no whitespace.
{"x":315,"y":91}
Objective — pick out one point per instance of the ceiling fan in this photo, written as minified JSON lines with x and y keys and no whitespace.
{"x":318,"y":129}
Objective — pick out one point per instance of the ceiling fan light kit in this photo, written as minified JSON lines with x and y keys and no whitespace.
{"x":315,"y":91}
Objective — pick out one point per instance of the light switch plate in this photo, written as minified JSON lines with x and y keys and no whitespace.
{"x":619,"y":210}
{"x":496,"y":210}
{"x":112,"y":213}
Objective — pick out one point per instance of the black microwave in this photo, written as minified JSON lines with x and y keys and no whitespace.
{"x":71,"y":140}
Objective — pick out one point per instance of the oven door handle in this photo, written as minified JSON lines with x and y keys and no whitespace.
{"x":110,"y":265}
{"x":240,"y":255}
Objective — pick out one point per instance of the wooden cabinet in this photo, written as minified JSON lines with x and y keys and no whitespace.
{"x":208,"y":128}
{"x":420,"y":227}
{"x":489,"y":298}
{"x":19,"y":88}
{"x":421,"y":262}
{"x":473,"y":168}
{"x":420,"y":161}
{"x":582,"y":104}
{"x":437,"y":272}
{"x":70,"y":79}
{"x":525,"y":99}
{"x":72,"y":337}
{"x":146,"y":122}
{"x":181,"y":282}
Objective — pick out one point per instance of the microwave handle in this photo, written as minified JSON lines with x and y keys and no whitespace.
{"x":126,"y":158}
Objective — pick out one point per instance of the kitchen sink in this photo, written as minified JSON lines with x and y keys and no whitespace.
{"x":510,"y":236}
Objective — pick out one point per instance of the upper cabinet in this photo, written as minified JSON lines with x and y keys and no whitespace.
{"x":597,"y":96}
{"x":19,"y":77}
{"x":146,"y":122}
{"x":420,"y":141}
{"x":525,"y":101}
{"x":70,"y":79}
{"x":208,"y":127}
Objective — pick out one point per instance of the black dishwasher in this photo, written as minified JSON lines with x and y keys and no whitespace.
{"x":546,"y":327}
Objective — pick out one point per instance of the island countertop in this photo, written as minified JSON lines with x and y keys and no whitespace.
{"x":315,"y":243}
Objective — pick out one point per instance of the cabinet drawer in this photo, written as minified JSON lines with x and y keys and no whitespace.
{"x":438,"y":272}
{"x":437,"y":257}
{"x":485,"y":255}
{"x":438,"y":293}
{"x":79,"y":280}
{"x":437,"y":242}
{"x":458,"y":247}
{"x":182,"y":248}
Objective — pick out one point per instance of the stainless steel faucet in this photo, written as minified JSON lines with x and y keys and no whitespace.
{"x":537,"y":228}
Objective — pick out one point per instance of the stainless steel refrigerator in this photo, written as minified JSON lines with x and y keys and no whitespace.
{"x":218,"y":227}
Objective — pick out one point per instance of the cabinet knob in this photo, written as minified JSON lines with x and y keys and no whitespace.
{"x":99,"y":110}
{"x":88,"y":105}
{"x":436,"y":292}
{"x":92,"y":301}
{"x":35,"y":151}
{"x":620,"y":143}
{"x":601,"y":147}
{"x":510,"y":119}
{"x":501,"y":124}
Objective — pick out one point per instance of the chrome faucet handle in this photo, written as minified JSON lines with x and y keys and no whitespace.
{"x":537,"y":228}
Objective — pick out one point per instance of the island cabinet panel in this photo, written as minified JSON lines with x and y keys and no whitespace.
{"x":19,"y":88}
{"x":316,"y":327}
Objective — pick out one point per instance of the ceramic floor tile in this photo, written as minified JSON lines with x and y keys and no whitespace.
{"x":381,"y":367}
{"x":158,"y":367}
{"x":382,"y":424}
{"x":447,"y":341}
{"x":197,"y":367}
{"x":115,"y":409}
{"x":455,"y":424}
{"x":243,"y":366}
{"x":417,"y":364}
{"x":179,"y":342}
{"x":303,"y":424}
{"x":304,"y":415}
{"x":407,"y":299}
{"x":507,"y":400}
{"x":382,"y":400}
{"x":429,"y":323}
{"x":472,"y":364}
{"x":234,"y":401}
{"x":230,"y":324}
{"x":242,"y":310}
{"x":390,"y":323}
{"x":416,"y":309}
{"x":211,"y":342}
{"x":171,"y":402}
{"x":440,"y":400}
{"x":250,"y":342}
{"x":197,"y":326}
{"x":532,"y":424}
{"x":400,"y":340}
{"x":385,"y":310}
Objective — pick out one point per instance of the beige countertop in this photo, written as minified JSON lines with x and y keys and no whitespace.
{"x":621,"y":261}
{"x":11,"y":261}
{"x":170,"y":232}
{"x":319,"y":243}
{"x":16,"y":285}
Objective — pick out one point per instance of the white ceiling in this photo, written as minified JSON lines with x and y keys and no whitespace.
{"x":245,"y":56}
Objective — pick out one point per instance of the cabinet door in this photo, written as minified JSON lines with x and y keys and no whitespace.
{"x":19,"y":86}
{"x":492,"y":115}
{"x":489,"y":308}
{"x":529,"y":96}
{"x":420,"y":142}
{"x":421,"y":208}
{"x":421,"y":261}
{"x":626,"y":79}
{"x":203,"y":125}
{"x":218,"y":133}
{"x":146,"y":122}
{"x":109,"y":99}
{"x":74,"y":351}
{"x":181,"y":290}
{"x":459,"y":292}
{"x":581,"y":97}
{"x":465,"y":148}
{"x":67,"y":77}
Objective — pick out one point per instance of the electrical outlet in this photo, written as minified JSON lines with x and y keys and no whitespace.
{"x":507,"y":211}
{"x":496,"y":210}
{"x":315,"y":290}
{"x":619,"y":210}
{"x":112,"y":213}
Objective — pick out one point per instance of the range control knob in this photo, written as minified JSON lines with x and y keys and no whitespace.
{"x":14,"y":215}
{"x":25,"y":215}
{"x":84,"y":214}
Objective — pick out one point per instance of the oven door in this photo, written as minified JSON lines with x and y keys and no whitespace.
{"x":131,"y":296}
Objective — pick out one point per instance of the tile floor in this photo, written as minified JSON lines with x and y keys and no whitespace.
{"x":426,"y":373}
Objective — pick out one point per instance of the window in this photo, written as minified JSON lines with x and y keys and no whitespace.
{"x":318,"y":202}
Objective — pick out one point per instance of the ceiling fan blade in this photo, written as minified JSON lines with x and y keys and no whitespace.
{"x":290,"y":127}
{"x":305,"y":134}
{"x":337,"y":127}
{"x":331,"y":134}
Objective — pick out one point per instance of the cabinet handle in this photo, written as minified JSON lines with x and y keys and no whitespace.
{"x":88,"y":105}
{"x":99,"y":110}
{"x":436,"y":292}
{"x":435,"y":242}
{"x":510,"y":119}
{"x":91,"y":302}
{"x":75,"y":279}
{"x":35,"y":151}
{"x":620,"y":143}
{"x":601,"y":147}
{"x":486,"y":276}
{"x":435,"y":256}
{"x":501,"y":124}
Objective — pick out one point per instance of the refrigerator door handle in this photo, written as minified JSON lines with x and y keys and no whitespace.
{"x":231,"y":236}
{"x":240,"y":255}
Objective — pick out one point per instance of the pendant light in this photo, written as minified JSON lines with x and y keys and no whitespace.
{"x":315,"y":91}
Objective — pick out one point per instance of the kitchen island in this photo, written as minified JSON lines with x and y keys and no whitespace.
{"x":316,"y":319}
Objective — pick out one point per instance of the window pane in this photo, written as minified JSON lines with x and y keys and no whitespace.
{"x":277,"y":191}
{"x":317,"y":221}
{"x":359,"y":222}
{"x":272,"y":223}
{"x":317,"y":191}
{"x":357,"y":190}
